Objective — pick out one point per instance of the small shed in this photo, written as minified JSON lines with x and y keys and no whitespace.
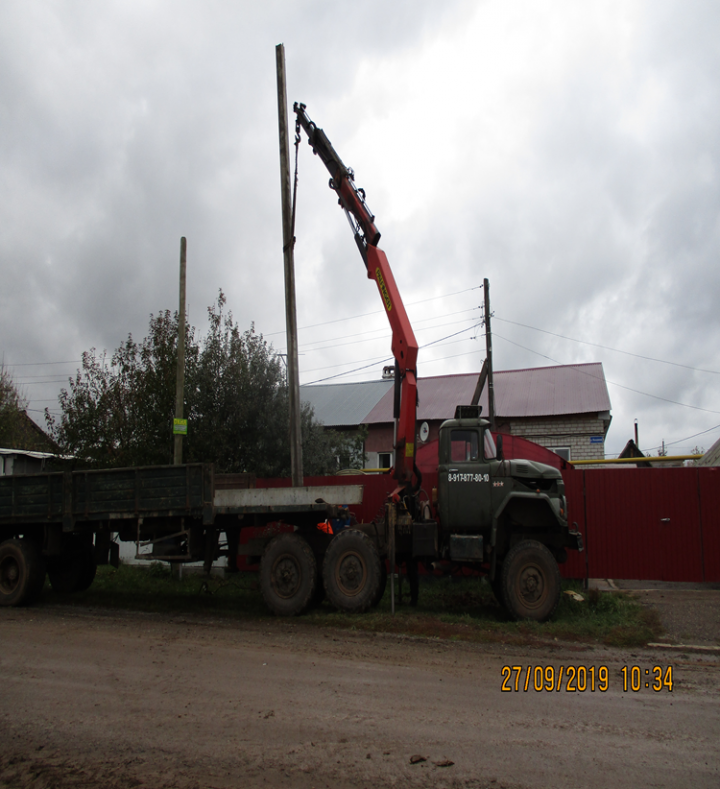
{"x":22,"y":461}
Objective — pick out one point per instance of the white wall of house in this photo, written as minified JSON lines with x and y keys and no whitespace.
{"x":583,"y":435}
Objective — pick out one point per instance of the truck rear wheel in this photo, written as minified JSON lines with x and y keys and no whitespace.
{"x":351,"y":571}
{"x":288,"y":575}
{"x":22,"y":572}
{"x":530,"y":581}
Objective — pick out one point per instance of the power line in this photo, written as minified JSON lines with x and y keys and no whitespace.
{"x":377,"y":312}
{"x":689,"y":438}
{"x":383,"y":361}
{"x":607,"y":347}
{"x":385,"y":336}
{"x":40,"y":364}
{"x":36,"y":383}
{"x":621,"y":386}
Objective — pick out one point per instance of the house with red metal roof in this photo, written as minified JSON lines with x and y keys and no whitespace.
{"x":565,"y":408}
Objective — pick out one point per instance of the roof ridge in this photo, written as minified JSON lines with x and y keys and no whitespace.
{"x":514,"y":370}
{"x":350,"y":383}
{"x":550,"y":367}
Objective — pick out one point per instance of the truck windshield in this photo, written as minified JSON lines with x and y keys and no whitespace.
{"x":489,"y":446}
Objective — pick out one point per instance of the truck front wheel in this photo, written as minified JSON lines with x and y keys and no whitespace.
{"x":288,"y":575}
{"x":22,"y":572}
{"x":352,"y":571}
{"x":530,"y":581}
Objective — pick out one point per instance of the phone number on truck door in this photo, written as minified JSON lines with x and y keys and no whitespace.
{"x":457,"y":477}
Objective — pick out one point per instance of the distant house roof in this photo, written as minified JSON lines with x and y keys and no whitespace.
{"x":712,"y":456}
{"x":538,"y":391}
{"x":344,"y":405}
{"x":632,"y":450}
{"x":552,"y":391}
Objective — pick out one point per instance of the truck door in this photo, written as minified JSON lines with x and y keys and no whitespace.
{"x":464,"y":482}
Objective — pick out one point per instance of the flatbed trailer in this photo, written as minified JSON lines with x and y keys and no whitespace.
{"x":64,"y":524}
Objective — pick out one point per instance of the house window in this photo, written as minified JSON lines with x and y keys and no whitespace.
{"x":564,"y":452}
{"x":384,"y":459}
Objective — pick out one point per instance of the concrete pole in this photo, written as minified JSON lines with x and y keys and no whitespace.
{"x":488,"y":346}
{"x":296,"y":462}
{"x":180,"y":378}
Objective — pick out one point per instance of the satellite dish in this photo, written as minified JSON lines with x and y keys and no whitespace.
{"x":424,"y":431}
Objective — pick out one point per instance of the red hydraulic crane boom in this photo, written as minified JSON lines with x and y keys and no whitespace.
{"x":404,"y":344}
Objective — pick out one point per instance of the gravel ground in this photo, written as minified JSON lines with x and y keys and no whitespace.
{"x":98,"y":699}
{"x":690,"y":613}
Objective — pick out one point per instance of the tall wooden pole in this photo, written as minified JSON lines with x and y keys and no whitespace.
{"x":180,"y":377}
{"x":296,"y":462}
{"x":488,"y":347}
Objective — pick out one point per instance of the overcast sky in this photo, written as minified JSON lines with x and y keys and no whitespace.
{"x":569,"y":152}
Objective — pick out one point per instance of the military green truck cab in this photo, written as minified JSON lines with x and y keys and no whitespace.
{"x":507,"y":518}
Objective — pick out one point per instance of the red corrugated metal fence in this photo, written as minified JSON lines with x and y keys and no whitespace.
{"x":646,"y":524}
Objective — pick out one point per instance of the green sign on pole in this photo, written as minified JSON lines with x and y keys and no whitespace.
{"x":180,"y":427}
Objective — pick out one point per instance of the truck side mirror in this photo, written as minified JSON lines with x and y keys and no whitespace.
{"x":498,"y":444}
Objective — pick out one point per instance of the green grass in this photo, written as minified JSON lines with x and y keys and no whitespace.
{"x":459,"y":609}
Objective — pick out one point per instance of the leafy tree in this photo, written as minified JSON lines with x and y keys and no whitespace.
{"x":119,"y":411}
{"x":239,"y":410}
{"x":12,"y":405}
{"x":17,"y":430}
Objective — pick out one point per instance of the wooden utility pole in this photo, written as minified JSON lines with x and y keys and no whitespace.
{"x":488,"y":346}
{"x":296,"y":463}
{"x":180,"y":424}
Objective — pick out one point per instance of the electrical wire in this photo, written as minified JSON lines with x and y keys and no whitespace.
{"x":389,"y":359}
{"x":386,"y":336}
{"x":607,"y":347}
{"x":38,"y":364}
{"x":597,"y":377}
{"x":377,"y":312}
{"x":689,"y":438}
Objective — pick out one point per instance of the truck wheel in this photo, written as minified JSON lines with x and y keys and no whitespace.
{"x":352,"y":571}
{"x":22,"y":572}
{"x":73,"y":571}
{"x":530,"y":581}
{"x":288,"y":575}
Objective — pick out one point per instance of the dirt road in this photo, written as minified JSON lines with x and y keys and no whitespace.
{"x":114,"y":700}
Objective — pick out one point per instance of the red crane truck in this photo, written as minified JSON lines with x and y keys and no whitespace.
{"x":507,"y":518}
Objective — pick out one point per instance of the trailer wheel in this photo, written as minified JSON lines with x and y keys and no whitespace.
{"x":352,"y":571}
{"x":74,"y":570}
{"x":22,"y":572}
{"x":288,"y":575}
{"x":530,"y":581}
